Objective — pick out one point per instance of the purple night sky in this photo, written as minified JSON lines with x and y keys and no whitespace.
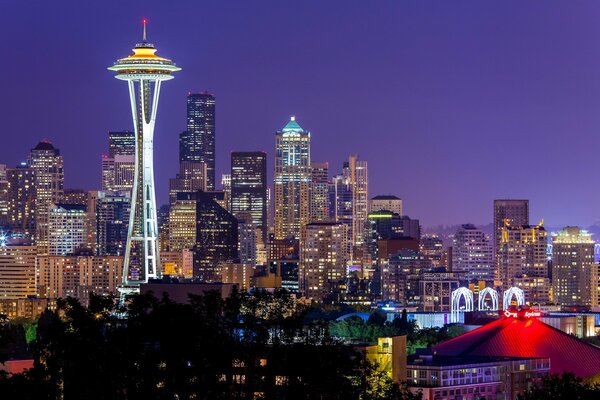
{"x":453,"y":103}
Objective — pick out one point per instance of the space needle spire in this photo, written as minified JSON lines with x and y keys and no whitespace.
{"x":144,"y":71}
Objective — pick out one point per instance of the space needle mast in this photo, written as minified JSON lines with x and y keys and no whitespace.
{"x":144,"y":72}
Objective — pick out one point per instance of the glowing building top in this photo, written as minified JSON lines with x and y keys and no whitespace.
{"x":144,"y":63}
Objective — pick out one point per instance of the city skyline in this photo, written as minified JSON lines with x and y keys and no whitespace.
{"x":521,"y":77}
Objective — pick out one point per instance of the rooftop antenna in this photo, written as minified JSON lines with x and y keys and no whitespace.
{"x":144,"y":21}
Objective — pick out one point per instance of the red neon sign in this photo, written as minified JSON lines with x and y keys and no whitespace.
{"x":525,"y":314}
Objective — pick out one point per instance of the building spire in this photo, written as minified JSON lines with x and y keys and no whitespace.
{"x":144,"y":21}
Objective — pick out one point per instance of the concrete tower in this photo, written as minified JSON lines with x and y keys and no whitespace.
{"x":144,"y":72}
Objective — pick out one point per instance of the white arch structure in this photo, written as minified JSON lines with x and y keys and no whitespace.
{"x":493,"y":294}
{"x":455,"y":305}
{"x":508,"y":295}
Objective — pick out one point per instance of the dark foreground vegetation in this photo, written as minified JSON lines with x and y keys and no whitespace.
{"x":248,"y":347}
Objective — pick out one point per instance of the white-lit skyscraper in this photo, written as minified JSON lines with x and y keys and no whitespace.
{"x":292,"y":180}
{"x":144,"y":72}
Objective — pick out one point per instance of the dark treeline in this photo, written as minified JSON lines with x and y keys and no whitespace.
{"x":246,"y":346}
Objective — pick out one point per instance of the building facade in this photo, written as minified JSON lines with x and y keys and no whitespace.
{"x":66,"y":228}
{"x":472,"y":254}
{"x":17,"y":271}
{"x":359,"y":181}
{"x":388,"y":203}
{"x":197,"y":143}
{"x":323,"y":259}
{"x":47,"y":163}
{"x":522,"y":260}
{"x":572,"y":264}
{"x":319,"y":192}
{"x":513,"y":212}
{"x":21,"y":199}
{"x":78,"y":276}
{"x":216,"y":236}
{"x":249,"y":188}
{"x":292,"y":180}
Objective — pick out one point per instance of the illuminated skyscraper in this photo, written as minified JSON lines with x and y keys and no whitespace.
{"x":572,"y":263}
{"x":144,"y":72}
{"x":182,"y":223}
{"x":249,"y":188}
{"x":292,"y":180}
{"x":319,"y":191}
{"x":66,"y":228}
{"x":112,"y":216}
{"x":472,"y":254}
{"x":191,"y":178}
{"x":515,"y":212}
{"x":359,"y":181}
{"x":47,"y":163}
{"x":4,"y":220}
{"x":523,"y":261}
{"x":21,"y":199}
{"x":387,"y":202}
{"x":122,"y":143}
{"x":197,"y":143}
{"x":323,"y":258}
{"x":17,"y":271}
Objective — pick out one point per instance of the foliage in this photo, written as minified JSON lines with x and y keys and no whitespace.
{"x":381,"y":387}
{"x":562,"y":387}
{"x":244,"y":346}
{"x":357,"y":330}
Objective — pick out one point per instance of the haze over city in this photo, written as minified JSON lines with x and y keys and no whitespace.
{"x":452,"y":103}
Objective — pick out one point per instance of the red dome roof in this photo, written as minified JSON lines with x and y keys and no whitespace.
{"x":523,"y":337}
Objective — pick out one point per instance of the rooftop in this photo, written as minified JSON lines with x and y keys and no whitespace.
{"x":292,"y":127}
{"x":529,"y":338}
{"x":386,"y":197}
{"x":44,"y":145}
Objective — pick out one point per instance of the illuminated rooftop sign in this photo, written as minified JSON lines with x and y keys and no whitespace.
{"x":522,"y":314}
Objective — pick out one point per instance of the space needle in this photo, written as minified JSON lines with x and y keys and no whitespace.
{"x":144,"y":72}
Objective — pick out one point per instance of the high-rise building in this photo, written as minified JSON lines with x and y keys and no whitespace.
{"x":21,"y":199}
{"x":515,"y":212}
{"x":432,"y":247}
{"x":112,"y":219}
{"x":75,"y":197}
{"x":472,"y":254}
{"x":400,"y":276}
{"x":216,"y":235}
{"x":595,"y":287}
{"x":197,"y":143}
{"x":47,"y":163}
{"x":523,"y":261}
{"x":340,"y":202}
{"x":144,"y":72}
{"x":249,"y":188}
{"x":323,"y":259}
{"x":4,"y":220}
{"x":319,"y":192}
{"x":118,"y":173}
{"x":292,"y":180}
{"x":387,"y":202}
{"x":17,"y":271}
{"x":182,"y":223}
{"x":248,"y":235}
{"x":121,"y":143}
{"x":572,"y":264}
{"x":359,"y":181}
{"x":77,"y":276}
{"x":191,"y":178}
{"x":66,"y":228}
{"x":226,"y":188}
